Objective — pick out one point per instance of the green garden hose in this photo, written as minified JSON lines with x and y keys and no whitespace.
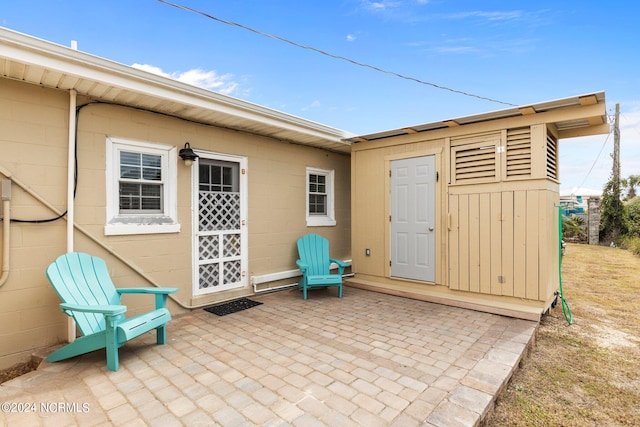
{"x":566,"y":310}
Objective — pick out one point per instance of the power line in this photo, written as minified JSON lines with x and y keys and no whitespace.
{"x":331,"y":55}
{"x":595,"y":161}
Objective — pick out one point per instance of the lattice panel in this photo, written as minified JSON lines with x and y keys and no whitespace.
{"x":219,"y":211}
{"x":231,"y":245}
{"x":209,"y":247}
{"x":209,"y":276}
{"x":232,"y":272}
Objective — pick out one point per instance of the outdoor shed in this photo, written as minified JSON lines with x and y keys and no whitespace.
{"x":465,"y":211}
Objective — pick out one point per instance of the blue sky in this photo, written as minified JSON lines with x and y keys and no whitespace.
{"x":511,"y":51}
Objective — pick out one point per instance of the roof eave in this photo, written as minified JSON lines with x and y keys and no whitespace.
{"x":78,"y":67}
{"x":572,"y":116}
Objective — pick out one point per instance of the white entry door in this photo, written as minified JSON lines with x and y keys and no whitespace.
{"x":413,"y":218}
{"x":220,"y":235}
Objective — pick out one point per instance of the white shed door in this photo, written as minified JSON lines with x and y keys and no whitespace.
{"x":413,"y":218}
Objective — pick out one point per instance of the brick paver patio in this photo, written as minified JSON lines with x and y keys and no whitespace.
{"x":367,"y":359}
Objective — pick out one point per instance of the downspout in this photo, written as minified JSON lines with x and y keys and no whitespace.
{"x":71,"y":178}
{"x":71,"y":170}
{"x":6,"y":221}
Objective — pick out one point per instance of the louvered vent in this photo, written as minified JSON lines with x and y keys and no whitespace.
{"x":552,"y":157}
{"x":519,"y":153}
{"x":474,"y":162}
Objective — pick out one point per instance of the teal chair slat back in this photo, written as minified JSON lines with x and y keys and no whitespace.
{"x":314,"y":251}
{"x":81,"y":279}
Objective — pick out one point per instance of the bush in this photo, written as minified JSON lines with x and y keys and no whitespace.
{"x":613,"y":214}
{"x":633,"y":216}
{"x":573,"y":229}
{"x":631,"y":243}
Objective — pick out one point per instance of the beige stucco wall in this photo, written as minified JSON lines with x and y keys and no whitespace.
{"x":33,"y":148}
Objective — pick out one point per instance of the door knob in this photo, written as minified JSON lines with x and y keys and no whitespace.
{"x":430,"y":228}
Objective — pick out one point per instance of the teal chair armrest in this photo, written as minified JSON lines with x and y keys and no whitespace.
{"x":146,"y":290}
{"x":302,"y":266}
{"x":107,"y":310}
{"x":341,"y":265}
{"x":160,"y":293}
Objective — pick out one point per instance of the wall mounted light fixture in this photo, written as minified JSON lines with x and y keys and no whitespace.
{"x":187,"y":154}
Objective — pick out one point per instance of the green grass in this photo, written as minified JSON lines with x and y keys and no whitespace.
{"x":586,"y":373}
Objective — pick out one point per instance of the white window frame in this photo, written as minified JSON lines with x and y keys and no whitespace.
{"x":141,"y":223}
{"x":329,"y":219}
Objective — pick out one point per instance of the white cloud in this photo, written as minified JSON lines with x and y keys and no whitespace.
{"x":350,"y":37}
{"x":314,"y":104}
{"x":380,"y":5}
{"x":151,"y":69}
{"x":490,"y":16}
{"x":455,"y":49}
{"x":210,"y":80}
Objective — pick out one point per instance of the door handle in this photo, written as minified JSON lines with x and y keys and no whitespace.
{"x":430,"y":228}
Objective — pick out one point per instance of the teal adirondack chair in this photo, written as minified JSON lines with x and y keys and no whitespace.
{"x":315,"y":264}
{"x":88,"y":295}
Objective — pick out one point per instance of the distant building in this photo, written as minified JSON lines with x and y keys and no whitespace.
{"x":575,"y":201}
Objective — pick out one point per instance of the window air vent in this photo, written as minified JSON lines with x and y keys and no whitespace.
{"x":519,"y":153}
{"x":475,"y":162}
{"x":552,"y":157}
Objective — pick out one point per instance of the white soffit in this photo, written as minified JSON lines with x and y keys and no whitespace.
{"x":43,"y":63}
{"x":594,"y":102}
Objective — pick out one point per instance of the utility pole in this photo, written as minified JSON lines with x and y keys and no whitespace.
{"x":616,"y":153}
{"x":616,"y":145}
{"x":612,"y":215}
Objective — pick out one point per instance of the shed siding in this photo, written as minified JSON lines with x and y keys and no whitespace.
{"x":497,"y":243}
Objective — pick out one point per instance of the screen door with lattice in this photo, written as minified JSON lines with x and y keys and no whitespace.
{"x":220,"y":242}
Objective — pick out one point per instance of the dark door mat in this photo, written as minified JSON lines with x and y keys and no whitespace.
{"x":232,"y":306}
